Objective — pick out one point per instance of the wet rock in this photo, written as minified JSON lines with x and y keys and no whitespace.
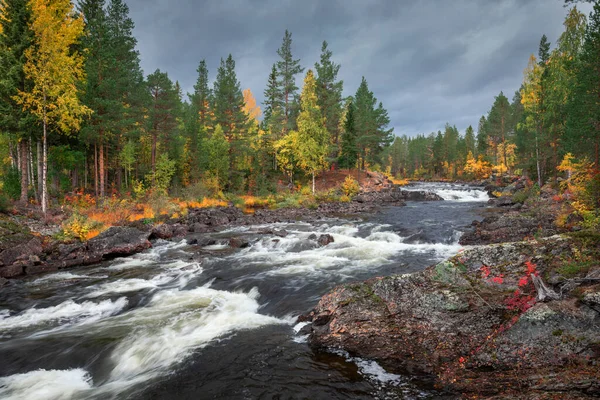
{"x":199,"y":227}
{"x":3,"y":281}
{"x":39,"y":269}
{"x":21,"y":251}
{"x":70,"y":250}
{"x":312,"y":236}
{"x":466,"y":328}
{"x":305,"y":330}
{"x":325,"y":239}
{"x":238,"y":243}
{"x":162,"y":231}
{"x":119,"y":241}
{"x":11,"y":271}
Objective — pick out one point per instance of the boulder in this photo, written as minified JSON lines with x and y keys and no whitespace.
{"x":21,"y":251}
{"x":119,"y":241}
{"x":238,"y":243}
{"x":325,"y":239}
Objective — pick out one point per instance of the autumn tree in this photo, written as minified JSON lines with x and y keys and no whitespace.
{"x":313,"y":138}
{"x":55,"y":70}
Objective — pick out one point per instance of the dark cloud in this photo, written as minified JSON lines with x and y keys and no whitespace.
{"x":429,"y":62}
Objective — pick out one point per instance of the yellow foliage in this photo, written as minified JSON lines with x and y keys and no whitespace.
{"x":400,"y":181}
{"x":250,"y":108}
{"x":479,"y":168}
{"x":350,"y":187}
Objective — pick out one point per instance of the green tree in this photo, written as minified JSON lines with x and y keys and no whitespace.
{"x":371,"y":123}
{"x":287,"y":69}
{"x":497,"y":128}
{"x":349,"y":150}
{"x":217,"y":148}
{"x":55,"y":70}
{"x":583,"y":124}
{"x":313,"y":138}
{"x":470,"y":139}
{"x":329,"y":95}
{"x":15,"y":39}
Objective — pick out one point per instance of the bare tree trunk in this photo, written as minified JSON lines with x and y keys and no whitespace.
{"x":11,"y":153}
{"x":96,"y":169}
{"x":45,"y":166}
{"x":39,"y":170}
{"x":24,"y":171}
{"x":101,"y":168}
{"x":543,"y":292}
{"x":31,"y":170}
{"x":313,"y":182}
{"x":537,"y":161}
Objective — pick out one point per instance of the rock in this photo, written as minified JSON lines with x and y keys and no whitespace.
{"x":280,"y":232}
{"x":119,"y":241}
{"x":218,"y":218}
{"x":238,"y":243}
{"x":38,"y":269}
{"x":21,"y":251}
{"x":3,"y":281}
{"x":162,"y":231}
{"x":66,"y":250}
{"x":11,"y":271}
{"x":305,"y":330}
{"x":325,"y":239}
{"x":494,"y":339}
{"x":199,"y":228}
{"x":312,"y":236}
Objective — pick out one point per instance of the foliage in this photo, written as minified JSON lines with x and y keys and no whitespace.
{"x":350,"y":187}
{"x":11,"y":183}
{"x":80,"y":227}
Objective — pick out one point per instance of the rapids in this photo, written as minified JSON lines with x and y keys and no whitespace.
{"x":183,"y":321}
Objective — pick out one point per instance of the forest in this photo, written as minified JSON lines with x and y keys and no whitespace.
{"x":78,"y":115}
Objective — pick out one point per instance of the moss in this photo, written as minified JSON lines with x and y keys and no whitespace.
{"x":557,"y":332}
{"x":575,"y":268}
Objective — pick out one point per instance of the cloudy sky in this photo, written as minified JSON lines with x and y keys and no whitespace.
{"x":429,"y":62}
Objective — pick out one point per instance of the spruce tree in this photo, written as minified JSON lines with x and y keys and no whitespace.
{"x":329,"y":95}
{"x":470,"y":140}
{"x":15,"y":38}
{"x":287,"y":69}
{"x":583,"y":124}
{"x":349,"y":149}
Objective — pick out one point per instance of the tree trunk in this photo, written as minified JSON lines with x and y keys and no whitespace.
{"x":39,"y":170}
{"x":24,"y":166}
{"x":101,"y":167}
{"x":31,"y":170}
{"x":45,"y":166}
{"x":313,"y":182}
{"x":96,"y":169}
{"x":537,"y":161}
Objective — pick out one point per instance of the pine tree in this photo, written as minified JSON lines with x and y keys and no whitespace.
{"x":470,"y":140}
{"x":349,"y":150}
{"x":313,"y":137}
{"x":162,"y":112}
{"x":272,"y":95}
{"x":15,"y":39}
{"x":371,"y":124}
{"x":217,"y":148}
{"x":497,"y":128}
{"x":583,"y":124}
{"x":229,"y":111}
{"x":287,"y":69}
{"x":329,"y":95}
{"x":482,"y":137}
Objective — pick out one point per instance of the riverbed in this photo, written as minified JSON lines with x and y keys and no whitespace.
{"x":186,"y":321}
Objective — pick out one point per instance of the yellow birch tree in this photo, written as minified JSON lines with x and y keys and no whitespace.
{"x":55,"y":70}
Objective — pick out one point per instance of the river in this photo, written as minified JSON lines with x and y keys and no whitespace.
{"x":183,"y":321}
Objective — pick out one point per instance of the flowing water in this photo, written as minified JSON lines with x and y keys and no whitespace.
{"x":184,"y":321}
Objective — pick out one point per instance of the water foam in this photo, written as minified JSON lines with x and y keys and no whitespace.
{"x":176,"y":323}
{"x":45,"y":384}
{"x":67,"y":312}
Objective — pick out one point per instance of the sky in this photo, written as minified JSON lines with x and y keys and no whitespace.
{"x":429,"y":62}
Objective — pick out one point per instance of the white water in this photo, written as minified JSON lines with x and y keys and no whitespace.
{"x":297,"y":255}
{"x":460,"y":194}
{"x":68,"y":312}
{"x":45,"y":385}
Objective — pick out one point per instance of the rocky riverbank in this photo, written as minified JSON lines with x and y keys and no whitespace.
{"x":25,"y":253}
{"x":516,"y":319}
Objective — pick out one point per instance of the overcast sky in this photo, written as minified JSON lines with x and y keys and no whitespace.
{"x":429,"y":62}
